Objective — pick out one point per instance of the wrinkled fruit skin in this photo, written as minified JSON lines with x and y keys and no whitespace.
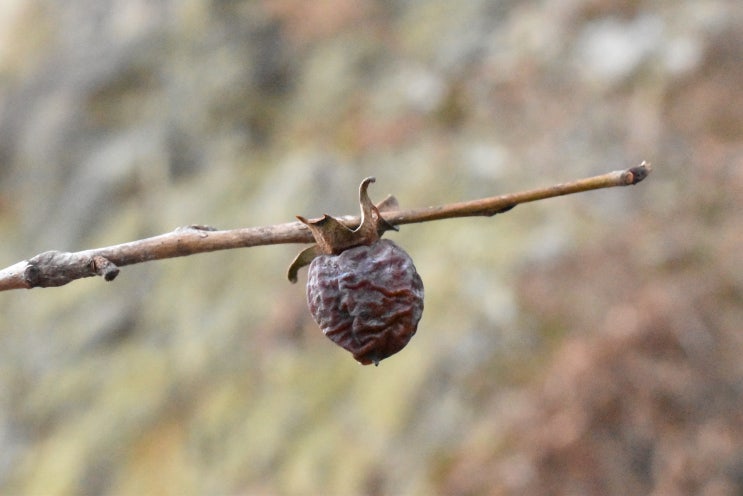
{"x":368,"y":299}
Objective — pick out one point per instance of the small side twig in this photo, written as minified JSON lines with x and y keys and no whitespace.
{"x":55,"y":268}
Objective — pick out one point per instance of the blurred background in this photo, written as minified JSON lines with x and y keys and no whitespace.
{"x":582,"y":345}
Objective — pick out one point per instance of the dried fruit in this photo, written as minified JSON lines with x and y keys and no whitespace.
{"x":363,"y":291}
{"x":367,"y":299}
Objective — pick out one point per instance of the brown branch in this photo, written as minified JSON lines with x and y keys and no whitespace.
{"x":55,"y":268}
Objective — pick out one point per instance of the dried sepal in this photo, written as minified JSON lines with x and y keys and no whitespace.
{"x":389,"y":204}
{"x":302,"y":259}
{"x":333,"y":237}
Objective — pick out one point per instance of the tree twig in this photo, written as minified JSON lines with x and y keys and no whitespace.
{"x":55,"y":268}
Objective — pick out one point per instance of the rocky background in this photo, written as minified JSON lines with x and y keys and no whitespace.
{"x":583,"y":345}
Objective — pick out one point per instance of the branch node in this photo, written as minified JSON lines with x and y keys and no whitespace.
{"x":202,"y":229}
{"x":57,"y":268}
{"x":104,"y":268}
{"x":636,"y":174}
{"x":32,"y":275}
{"x":490,"y":213}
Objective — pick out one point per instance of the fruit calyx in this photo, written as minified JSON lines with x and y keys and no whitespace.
{"x":332,"y":236}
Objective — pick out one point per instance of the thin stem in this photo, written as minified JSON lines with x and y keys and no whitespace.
{"x":503,"y":203}
{"x":54,"y":268}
